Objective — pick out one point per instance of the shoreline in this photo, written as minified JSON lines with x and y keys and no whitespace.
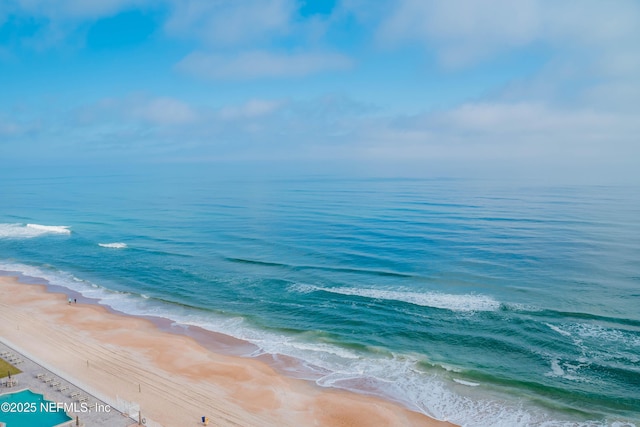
{"x":178,"y":374}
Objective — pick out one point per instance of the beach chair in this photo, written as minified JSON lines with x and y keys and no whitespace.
{"x":82,"y":399}
{"x":18,"y":361}
{"x":47,"y":380}
{"x":54,"y":384}
{"x":74,"y":394}
{"x":4,"y":354}
{"x":39,"y":375}
{"x":63,"y":387}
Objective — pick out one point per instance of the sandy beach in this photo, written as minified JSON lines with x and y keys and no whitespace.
{"x":174,"y":378}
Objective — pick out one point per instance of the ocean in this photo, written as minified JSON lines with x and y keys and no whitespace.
{"x":485,"y":303}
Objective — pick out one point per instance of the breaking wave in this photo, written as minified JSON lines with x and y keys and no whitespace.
{"x":454,"y":302}
{"x":116,"y":245}
{"x":28,"y":231}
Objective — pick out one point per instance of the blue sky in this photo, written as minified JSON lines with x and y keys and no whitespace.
{"x":495,"y":88}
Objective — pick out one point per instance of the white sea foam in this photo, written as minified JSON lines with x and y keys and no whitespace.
{"x":515,"y":306}
{"x":397,"y":377}
{"x":558,"y":330}
{"x":589,"y":338}
{"x":567,"y":370}
{"x":58,"y":229}
{"x":28,"y":231}
{"x":454,"y":302}
{"x":467,"y":383}
{"x":450,"y":368}
{"x":556,"y":369}
{"x":591,"y":331}
{"x":583,"y":332}
{"x":116,"y":245}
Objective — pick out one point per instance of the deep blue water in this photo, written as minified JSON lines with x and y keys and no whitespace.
{"x":480,"y":302}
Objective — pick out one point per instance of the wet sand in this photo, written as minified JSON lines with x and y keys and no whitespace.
{"x":176,"y":378}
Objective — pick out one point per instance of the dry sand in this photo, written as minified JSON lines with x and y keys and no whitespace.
{"x":175,"y":379}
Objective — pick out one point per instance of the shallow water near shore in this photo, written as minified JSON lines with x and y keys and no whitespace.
{"x":482,"y":303}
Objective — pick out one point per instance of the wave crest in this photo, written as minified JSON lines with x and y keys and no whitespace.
{"x":454,"y":302}
{"x":116,"y":245}
{"x":28,"y":231}
{"x":395,"y":376}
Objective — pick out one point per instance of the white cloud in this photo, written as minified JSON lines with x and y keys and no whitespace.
{"x":467,"y":31}
{"x":250,"y":109}
{"x":135,"y":110}
{"x":464,"y":31}
{"x":63,"y":22}
{"x":531,"y":134}
{"x":522,"y":118}
{"x":261,"y":64}
{"x":9,"y":128}
{"x":590,"y":52}
{"x":164,"y":111}
{"x":217,"y":23}
{"x":76,"y":9}
{"x":487,"y":138}
{"x":230,"y":22}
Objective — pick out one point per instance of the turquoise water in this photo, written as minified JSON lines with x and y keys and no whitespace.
{"x":482,"y":303}
{"x":25,"y":411}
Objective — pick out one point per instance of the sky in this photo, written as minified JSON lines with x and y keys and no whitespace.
{"x":456,"y":88}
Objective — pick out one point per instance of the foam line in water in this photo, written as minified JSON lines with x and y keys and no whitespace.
{"x":454,"y":302}
{"x":558,"y":330}
{"x":58,"y":229}
{"x":601,"y":333}
{"x":394,"y":376}
{"x":467,"y":383}
{"x":116,"y":245}
{"x":583,"y":333}
{"x":27,"y":231}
